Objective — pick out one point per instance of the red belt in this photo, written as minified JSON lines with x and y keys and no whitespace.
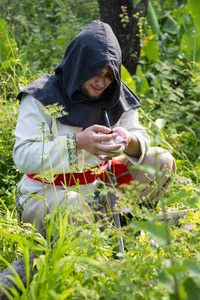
{"x":120,"y":172}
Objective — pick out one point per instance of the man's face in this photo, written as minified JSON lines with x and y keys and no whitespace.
{"x":95,"y":86}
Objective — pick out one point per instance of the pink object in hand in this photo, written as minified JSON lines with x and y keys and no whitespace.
{"x":122,"y":139}
{"x":122,"y":136}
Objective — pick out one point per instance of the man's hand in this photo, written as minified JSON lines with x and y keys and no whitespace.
{"x":94,"y":138}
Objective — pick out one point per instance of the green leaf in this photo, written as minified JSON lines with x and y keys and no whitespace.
{"x":170,"y":25}
{"x":192,"y":288}
{"x":143,"y":86}
{"x":36,"y":196}
{"x":167,"y":281}
{"x":151,"y":50}
{"x":190,"y":44}
{"x":157,"y":231}
{"x":160,"y":123}
{"x":192,"y":267}
{"x":194,"y":9}
{"x":53,"y":294}
{"x":66,"y":293}
{"x":177,"y":269}
{"x":176,"y":198}
{"x":152,"y":19}
{"x":126,"y":77}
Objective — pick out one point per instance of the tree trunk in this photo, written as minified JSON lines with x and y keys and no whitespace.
{"x":125,"y":20}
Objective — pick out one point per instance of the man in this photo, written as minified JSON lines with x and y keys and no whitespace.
{"x":87,"y":83}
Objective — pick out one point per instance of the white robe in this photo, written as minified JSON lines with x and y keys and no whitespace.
{"x":41,"y":144}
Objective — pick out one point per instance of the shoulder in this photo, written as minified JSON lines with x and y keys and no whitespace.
{"x":42,"y":88}
{"x":132,"y":113}
{"x":29,"y":101}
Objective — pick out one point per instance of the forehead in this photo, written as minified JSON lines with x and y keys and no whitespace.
{"x":107,"y":70}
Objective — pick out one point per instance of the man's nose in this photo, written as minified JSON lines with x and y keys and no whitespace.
{"x":101,"y":81}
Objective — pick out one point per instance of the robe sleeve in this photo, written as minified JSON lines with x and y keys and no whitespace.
{"x":36,"y":148}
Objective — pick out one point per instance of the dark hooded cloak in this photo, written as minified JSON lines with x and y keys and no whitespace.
{"x":89,"y":52}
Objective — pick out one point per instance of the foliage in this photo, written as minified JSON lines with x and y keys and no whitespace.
{"x":162,"y":257}
{"x":168,"y":78}
{"x":13,"y":77}
{"x":82,"y":263}
{"x":44,"y":29}
{"x":9,"y":225}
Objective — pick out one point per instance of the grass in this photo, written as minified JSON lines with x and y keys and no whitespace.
{"x":82,"y":263}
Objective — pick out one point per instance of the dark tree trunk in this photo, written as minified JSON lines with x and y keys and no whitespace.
{"x":115,"y":12}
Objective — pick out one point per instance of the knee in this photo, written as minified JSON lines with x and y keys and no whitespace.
{"x":161,"y":158}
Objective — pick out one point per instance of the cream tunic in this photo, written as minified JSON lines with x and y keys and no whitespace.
{"x":41,"y":143}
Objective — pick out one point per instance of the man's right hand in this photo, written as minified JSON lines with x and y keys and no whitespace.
{"x":93,"y":140}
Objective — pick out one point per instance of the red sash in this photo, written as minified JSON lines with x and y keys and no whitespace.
{"x":120,"y":172}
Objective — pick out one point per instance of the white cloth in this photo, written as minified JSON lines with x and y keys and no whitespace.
{"x":41,"y":143}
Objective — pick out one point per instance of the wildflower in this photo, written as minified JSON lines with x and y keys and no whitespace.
{"x":189,"y":226}
{"x":175,"y":82}
{"x":182,"y":180}
{"x":101,"y":156}
{"x":155,"y":243}
{"x":126,"y":210}
{"x":54,"y":110}
{"x":104,"y":167}
{"x":194,"y":31}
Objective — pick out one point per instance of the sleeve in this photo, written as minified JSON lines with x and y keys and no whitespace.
{"x":130,"y":122}
{"x":36,"y":147}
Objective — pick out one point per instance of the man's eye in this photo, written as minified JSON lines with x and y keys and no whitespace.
{"x":111,"y":76}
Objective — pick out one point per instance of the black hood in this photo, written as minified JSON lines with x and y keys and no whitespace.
{"x":95,"y":48}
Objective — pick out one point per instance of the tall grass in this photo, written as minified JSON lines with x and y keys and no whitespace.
{"x":82,"y":263}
